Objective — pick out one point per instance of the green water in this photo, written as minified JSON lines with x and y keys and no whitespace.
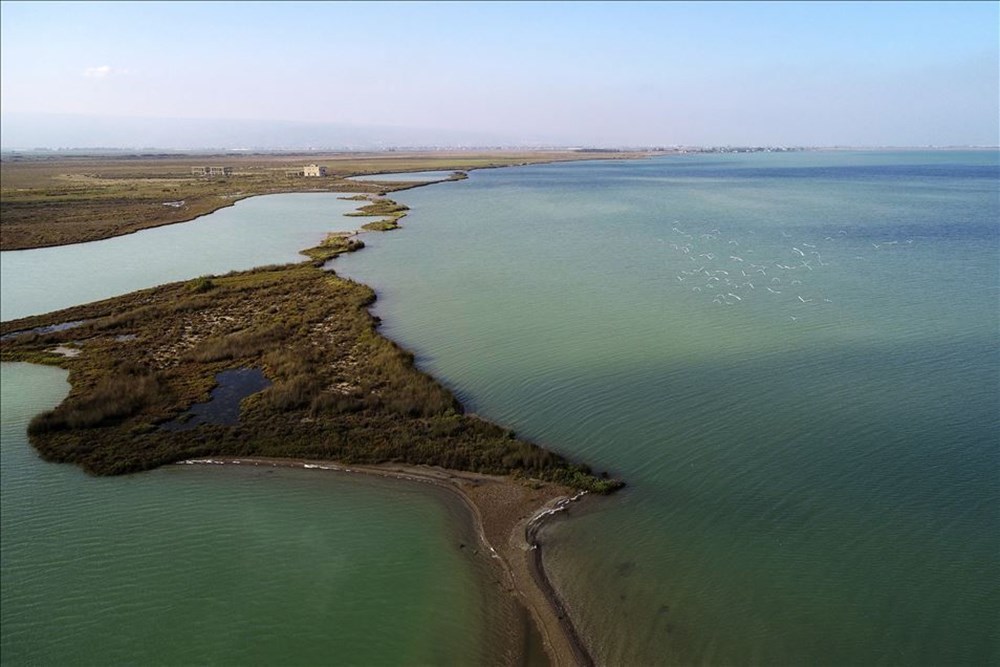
{"x":812,"y":480}
{"x":213,"y":565}
{"x":219,"y":565}
{"x":813,"y":470}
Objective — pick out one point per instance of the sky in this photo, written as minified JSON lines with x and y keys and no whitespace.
{"x":589,"y":73}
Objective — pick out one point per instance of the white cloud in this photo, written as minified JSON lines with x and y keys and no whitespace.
{"x":102,"y":72}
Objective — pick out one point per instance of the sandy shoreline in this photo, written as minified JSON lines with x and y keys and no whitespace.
{"x":508,"y":515}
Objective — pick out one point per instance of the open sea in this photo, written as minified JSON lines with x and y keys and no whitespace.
{"x":793,"y":359}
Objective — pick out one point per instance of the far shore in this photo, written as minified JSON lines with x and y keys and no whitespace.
{"x":61,"y":200}
{"x":508,"y":515}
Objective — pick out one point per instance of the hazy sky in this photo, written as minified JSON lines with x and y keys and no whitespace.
{"x":589,"y":73}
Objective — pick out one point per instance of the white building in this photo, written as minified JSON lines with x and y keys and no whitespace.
{"x":313,"y":170}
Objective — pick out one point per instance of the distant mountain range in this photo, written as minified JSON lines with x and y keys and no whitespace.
{"x":40,"y":130}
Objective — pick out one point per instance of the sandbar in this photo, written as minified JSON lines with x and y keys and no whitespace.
{"x":508,"y":514}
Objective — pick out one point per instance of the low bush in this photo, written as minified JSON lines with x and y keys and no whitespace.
{"x":112,"y":400}
{"x":201,"y":285}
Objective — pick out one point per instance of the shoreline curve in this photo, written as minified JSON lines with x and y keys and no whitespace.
{"x":501,"y":508}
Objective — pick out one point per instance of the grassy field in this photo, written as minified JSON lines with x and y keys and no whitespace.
{"x":57,"y":200}
{"x":339,"y":391}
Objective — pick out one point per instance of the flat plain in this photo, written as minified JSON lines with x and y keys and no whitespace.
{"x":57,"y":199}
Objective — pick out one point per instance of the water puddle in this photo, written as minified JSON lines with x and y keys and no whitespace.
{"x":223,"y":407}
{"x":52,"y":328}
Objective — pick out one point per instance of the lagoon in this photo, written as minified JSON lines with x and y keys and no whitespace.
{"x":225,"y":565}
{"x":253,"y":232}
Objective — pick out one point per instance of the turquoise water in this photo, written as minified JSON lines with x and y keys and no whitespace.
{"x":253,"y":232}
{"x":813,"y":470}
{"x":213,"y":565}
{"x":405,"y":176}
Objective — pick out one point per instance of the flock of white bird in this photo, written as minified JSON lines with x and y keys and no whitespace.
{"x":731,"y":271}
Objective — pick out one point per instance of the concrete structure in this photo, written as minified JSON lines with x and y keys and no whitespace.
{"x":313,"y":170}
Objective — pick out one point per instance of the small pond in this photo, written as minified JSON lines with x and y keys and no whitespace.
{"x":223,"y":407}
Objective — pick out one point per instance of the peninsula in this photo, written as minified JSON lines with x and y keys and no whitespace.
{"x":147,"y":368}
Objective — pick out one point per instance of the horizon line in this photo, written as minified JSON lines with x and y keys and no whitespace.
{"x":580,"y":147}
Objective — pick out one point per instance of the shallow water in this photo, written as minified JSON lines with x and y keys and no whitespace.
{"x":225,"y":565}
{"x":253,"y":232}
{"x":223,"y":405}
{"x":404,"y":176}
{"x":813,"y":470}
{"x":190,"y":565}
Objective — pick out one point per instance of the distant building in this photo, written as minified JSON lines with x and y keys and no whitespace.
{"x":313,"y":170}
{"x":211,"y":171}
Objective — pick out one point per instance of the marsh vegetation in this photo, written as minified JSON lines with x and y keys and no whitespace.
{"x":386,"y":209}
{"x":340,"y":391}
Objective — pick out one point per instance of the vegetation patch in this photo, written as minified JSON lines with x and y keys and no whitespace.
{"x":381,"y":225}
{"x":200,"y":285}
{"x":381,"y":207}
{"x":339,"y":391}
{"x":335,"y":243}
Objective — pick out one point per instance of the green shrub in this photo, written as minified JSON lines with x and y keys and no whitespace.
{"x":112,"y":400}
{"x":201,"y":285}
